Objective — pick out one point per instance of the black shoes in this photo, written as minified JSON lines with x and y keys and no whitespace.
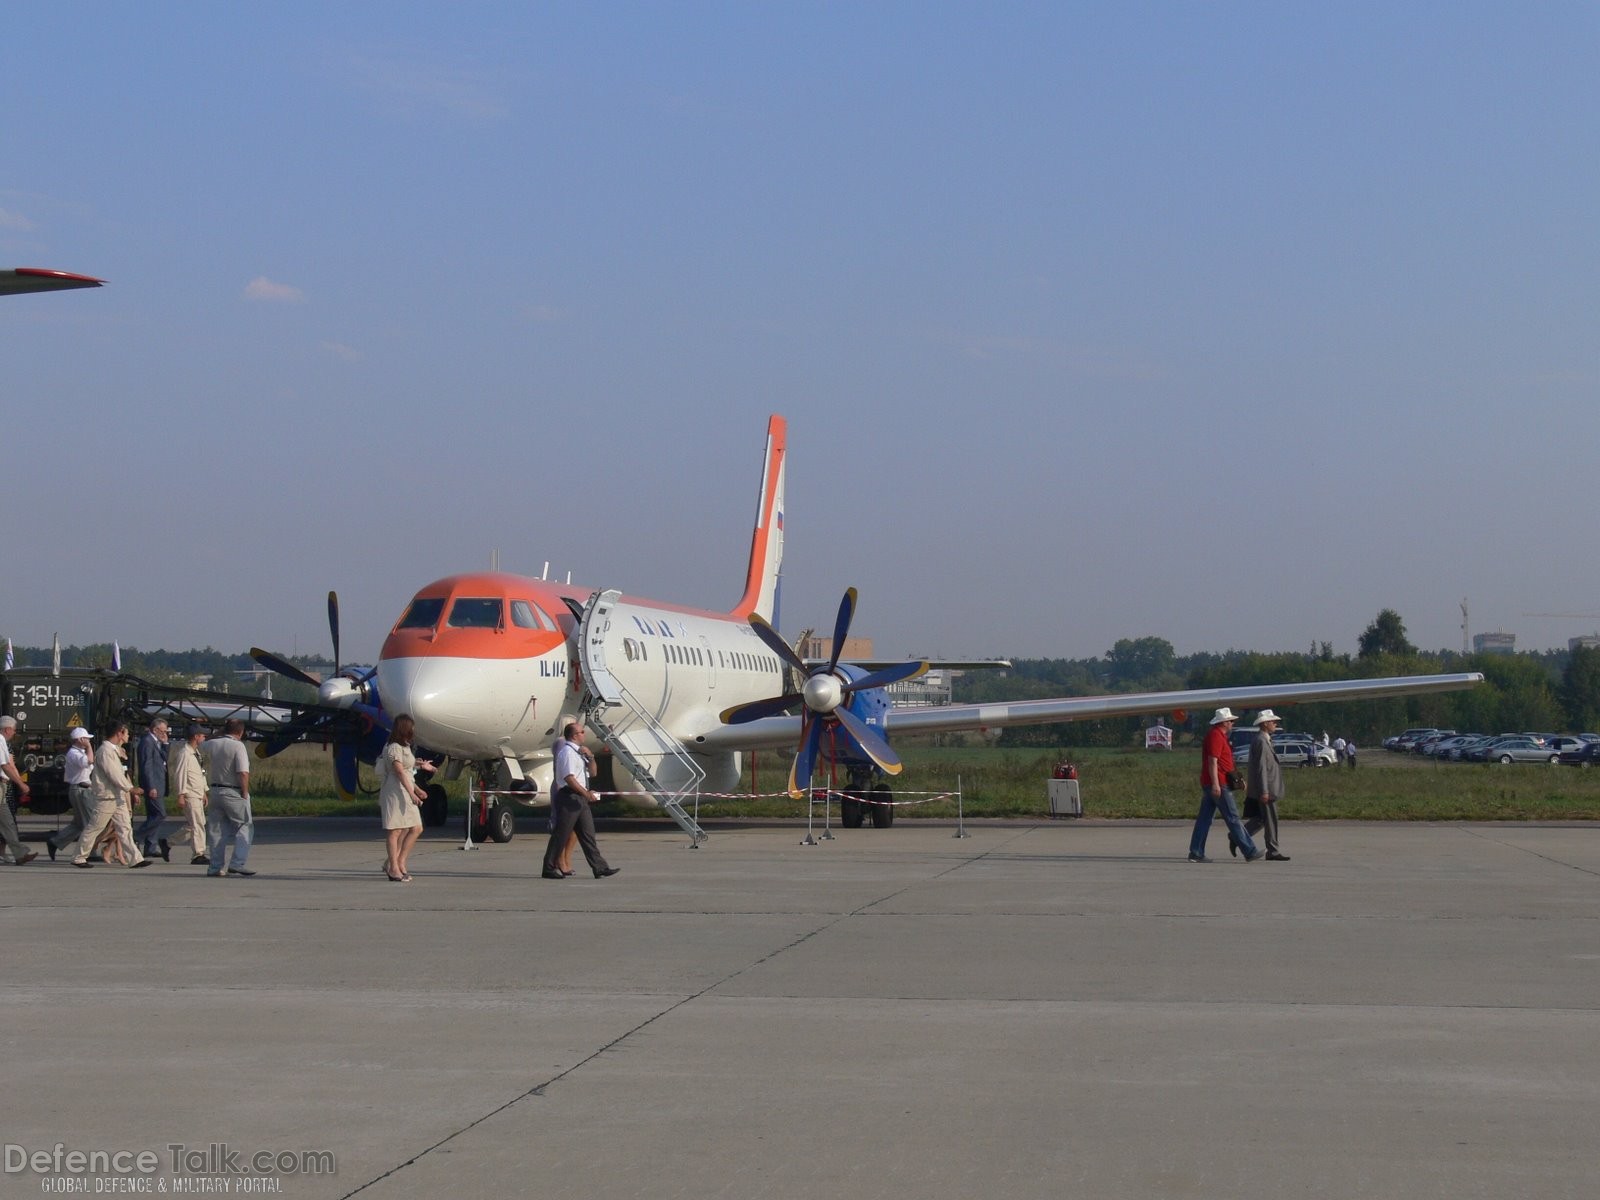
{"x":1233,"y":846}
{"x":240,"y":871}
{"x":50,"y":849}
{"x":607,"y":873}
{"x":551,"y":875}
{"x":1274,"y":856}
{"x":166,"y":850}
{"x":143,"y":862}
{"x":1198,"y":858}
{"x":84,"y":865}
{"x":199,"y":860}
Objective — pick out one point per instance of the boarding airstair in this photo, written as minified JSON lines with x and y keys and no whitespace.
{"x":632,"y":732}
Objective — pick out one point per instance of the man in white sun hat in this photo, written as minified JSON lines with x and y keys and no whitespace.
{"x":1264,"y":787}
{"x":1216,"y":764}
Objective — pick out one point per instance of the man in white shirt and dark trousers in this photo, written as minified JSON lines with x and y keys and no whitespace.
{"x":76,"y":773}
{"x":570,"y":807}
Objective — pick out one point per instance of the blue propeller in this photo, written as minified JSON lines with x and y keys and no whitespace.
{"x":825,"y":695}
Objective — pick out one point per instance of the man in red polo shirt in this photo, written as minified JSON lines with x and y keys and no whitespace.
{"x":1216,"y":762}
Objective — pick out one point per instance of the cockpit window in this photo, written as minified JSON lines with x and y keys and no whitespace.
{"x":468,"y":613}
{"x":423,"y":613}
{"x":525,"y":614}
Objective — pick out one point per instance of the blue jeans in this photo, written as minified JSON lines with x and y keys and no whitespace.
{"x":229,"y":817}
{"x":1211,"y":805}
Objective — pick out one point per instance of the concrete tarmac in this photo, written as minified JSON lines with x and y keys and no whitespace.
{"x":1039,"y":1009}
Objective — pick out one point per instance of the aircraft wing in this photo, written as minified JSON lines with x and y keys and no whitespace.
{"x":785,"y":730}
{"x":38,"y":279}
{"x":934,"y":664}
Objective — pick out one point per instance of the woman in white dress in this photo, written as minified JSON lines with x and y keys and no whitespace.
{"x":399,"y":798}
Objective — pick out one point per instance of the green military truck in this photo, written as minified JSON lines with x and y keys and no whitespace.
{"x":47,"y":705}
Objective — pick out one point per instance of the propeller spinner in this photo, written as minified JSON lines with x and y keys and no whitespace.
{"x":826,"y":694}
{"x":339,"y":690}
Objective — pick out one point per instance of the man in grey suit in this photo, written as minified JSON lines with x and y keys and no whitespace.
{"x":1264,"y":788}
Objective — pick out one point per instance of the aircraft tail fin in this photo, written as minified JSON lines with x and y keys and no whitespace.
{"x":766,"y":543}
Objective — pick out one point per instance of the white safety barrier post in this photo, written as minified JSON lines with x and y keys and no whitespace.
{"x":827,"y":817}
{"x":811,"y":804}
{"x":472,"y":803}
{"x":961,"y":827}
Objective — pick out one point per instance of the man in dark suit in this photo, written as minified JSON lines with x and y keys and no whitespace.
{"x":153,"y":790}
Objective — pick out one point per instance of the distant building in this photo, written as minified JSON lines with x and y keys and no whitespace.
{"x":1494,"y":643}
{"x":927,"y":691}
{"x":1589,"y":641}
{"x":822,"y":647}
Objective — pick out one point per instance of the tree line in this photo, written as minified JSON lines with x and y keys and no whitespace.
{"x":1546,"y":691}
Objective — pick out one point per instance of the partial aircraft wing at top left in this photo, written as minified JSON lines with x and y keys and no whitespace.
{"x":41,"y":279}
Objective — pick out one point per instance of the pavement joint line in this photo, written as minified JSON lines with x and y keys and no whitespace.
{"x":1483,"y":836}
{"x":539,"y":1089}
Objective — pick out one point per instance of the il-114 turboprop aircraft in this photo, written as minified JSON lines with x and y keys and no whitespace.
{"x":490,"y":665}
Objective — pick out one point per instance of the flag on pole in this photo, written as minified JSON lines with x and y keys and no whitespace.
{"x":11,"y":659}
{"x":55,"y":654}
{"x":116,"y":657}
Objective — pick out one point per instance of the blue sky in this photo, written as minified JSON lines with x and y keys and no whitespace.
{"x":1230,"y":324}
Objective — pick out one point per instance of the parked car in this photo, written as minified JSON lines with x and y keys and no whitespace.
{"x":1519,"y":749}
{"x":1586,"y":756}
{"x":1301,"y":751}
{"x":1445,"y":748}
{"x":1403,"y":741}
{"x":1425,"y":745}
{"x":1479,"y":751}
{"x":1562,"y":742}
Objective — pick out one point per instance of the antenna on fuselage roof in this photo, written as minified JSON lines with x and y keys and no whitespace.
{"x":569,"y":578}
{"x":494,"y":559}
{"x":545,"y":574}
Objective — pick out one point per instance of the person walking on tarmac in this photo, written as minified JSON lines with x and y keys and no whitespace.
{"x":570,"y":805}
{"x":8,"y":770}
{"x":1264,"y":787}
{"x":1216,"y":794}
{"x":76,"y":773}
{"x":153,"y":789}
{"x":113,"y":794}
{"x":186,"y":779}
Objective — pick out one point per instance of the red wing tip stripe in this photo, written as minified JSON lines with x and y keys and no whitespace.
{"x":64,"y":276}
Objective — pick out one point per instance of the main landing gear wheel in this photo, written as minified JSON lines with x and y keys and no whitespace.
{"x":496,"y":823}
{"x":852,"y":812}
{"x":502,"y":823}
{"x":436,"y":808}
{"x":883,"y":811}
